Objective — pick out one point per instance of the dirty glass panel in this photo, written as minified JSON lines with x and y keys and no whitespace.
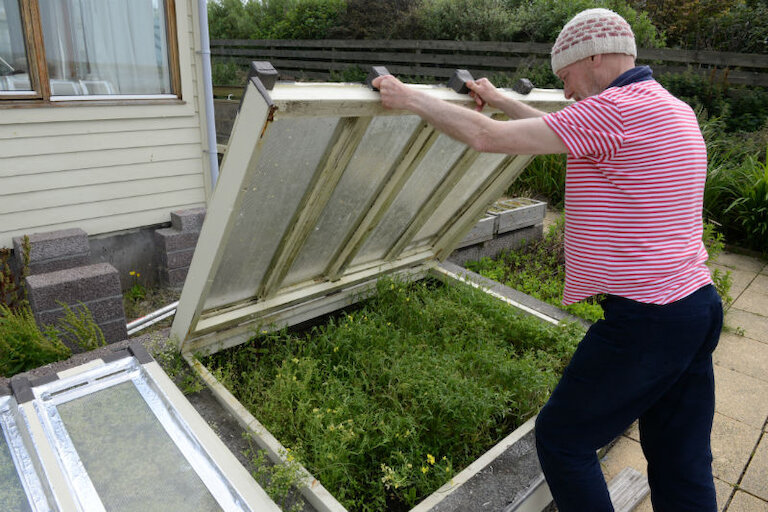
{"x":377,"y":153}
{"x":438,"y":161}
{"x":12,"y":495}
{"x":291,"y":152}
{"x":14,"y":65}
{"x":132,"y":461}
{"x":468,"y":185}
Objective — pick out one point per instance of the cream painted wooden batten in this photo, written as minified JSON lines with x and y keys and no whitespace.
{"x":322,"y":192}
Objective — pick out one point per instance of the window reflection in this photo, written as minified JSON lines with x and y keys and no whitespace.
{"x":105,"y":47}
{"x":14,"y":65}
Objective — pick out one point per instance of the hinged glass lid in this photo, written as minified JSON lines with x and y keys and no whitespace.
{"x":322,"y":190}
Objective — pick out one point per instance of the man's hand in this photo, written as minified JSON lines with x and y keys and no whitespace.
{"x":484,"y":94}
{"x":394,"y":94}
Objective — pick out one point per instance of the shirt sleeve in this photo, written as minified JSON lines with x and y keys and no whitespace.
{"x":592,"y":127}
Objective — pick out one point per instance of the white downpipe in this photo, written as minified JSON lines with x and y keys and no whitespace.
{"x":205,"y":58}
{"x":152,"y":318}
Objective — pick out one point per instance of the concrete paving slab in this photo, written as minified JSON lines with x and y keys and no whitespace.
{"x":732,"y":445}
{"x":739,"y":278}
{"x":743,"y":355}
{"x":753,"y":302}
{"x":633,"y":432}
{"x":723,"y":491}
{"x":760,"y":285}
{"x":628,"y":453}
{"x":625,"y":453}
{"x":743,"y":502}
{"x":756,"y":478}
{"x":741,"y":397}
{"x":754,"y":326}
{"x":740,"y":261}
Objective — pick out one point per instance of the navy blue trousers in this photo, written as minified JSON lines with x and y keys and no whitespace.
{"x":643,"y":361}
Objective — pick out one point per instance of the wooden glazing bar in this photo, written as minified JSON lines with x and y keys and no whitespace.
{"x":434,"y":200}
{"x":411,"y":157}
{"x":348,"y":134}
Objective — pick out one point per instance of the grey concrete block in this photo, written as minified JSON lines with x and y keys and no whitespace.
{"x":175,"y":278}
{"x":481,"y":232}
{"x":169,"y":240}
{"x":108,"y":309}
{"x":54,"y":250}
{"x":176,"y":259}
{"x":95,"y":286}
{"x":114,"y":331}
{"x":129,"y":251}
{"x":188,"y":220}
{"x":72,"y":285}
{"x":518,"y":213}
{"x":492,"y":248}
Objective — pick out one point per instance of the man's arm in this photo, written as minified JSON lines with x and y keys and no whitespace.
{"x":530,"y":136}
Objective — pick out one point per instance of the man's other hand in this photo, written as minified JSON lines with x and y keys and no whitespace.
{"x":484,"y":93}
{"x":394,"y":94}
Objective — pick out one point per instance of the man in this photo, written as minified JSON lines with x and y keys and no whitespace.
{"x":634,"y":188}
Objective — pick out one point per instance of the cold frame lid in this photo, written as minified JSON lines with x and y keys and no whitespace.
{"x":322,"y":191}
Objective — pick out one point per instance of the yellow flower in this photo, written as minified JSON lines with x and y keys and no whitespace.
{"x":132,"y":273}
{"x":431,"y":459}
{"x":335,"y":349}
{"x":424,"y":469}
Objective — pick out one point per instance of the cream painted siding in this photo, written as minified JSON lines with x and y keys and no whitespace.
{"x":105,"y":168}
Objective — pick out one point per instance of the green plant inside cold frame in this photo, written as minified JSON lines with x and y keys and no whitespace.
{"x":383,"y":403}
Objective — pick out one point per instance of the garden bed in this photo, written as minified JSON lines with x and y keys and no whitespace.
{"x":386,"y":402}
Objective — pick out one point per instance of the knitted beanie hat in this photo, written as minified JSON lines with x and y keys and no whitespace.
{"x":592,"y":32}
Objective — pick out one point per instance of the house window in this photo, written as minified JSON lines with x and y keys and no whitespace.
{"x":87,"y":49}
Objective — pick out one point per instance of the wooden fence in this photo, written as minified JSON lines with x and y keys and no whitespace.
{"x":317,"y":59}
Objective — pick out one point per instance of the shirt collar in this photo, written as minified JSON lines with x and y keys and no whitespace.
{"x":636,"y":74}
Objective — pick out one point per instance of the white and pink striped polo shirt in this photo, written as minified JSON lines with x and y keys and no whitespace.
{"x":633,"y":203}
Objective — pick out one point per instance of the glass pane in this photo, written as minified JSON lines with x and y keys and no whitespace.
{"x":12,"y":496}
{"x":481,"y":170}
{"x":131,"y":460}
{"x":437,"y":163}
{"x":291,"y":153}
{"x":97,"y":47}
{"x":375,"y":156}
{"x":14,"y":67}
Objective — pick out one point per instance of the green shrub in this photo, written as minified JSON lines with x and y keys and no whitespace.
{"x":385,"y":402}
{"x":228,"y":72}
{"x":542,"y":20}
{"x":78,"y":326}
{"x":748,"y":213}
{"x":464,"y":20}
{"x":544,"y":177}
{"x":538,"y":269}
{"x":13,"y":290}
{"x":23,"y":346}
{"x":305,"y":19}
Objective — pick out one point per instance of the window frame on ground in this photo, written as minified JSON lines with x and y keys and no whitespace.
{"x":38,"y":65}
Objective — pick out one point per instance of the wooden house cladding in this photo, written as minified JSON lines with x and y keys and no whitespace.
{"x":109,"y":163}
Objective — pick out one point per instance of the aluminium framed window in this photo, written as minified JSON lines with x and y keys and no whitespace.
{"x":64,"y":50}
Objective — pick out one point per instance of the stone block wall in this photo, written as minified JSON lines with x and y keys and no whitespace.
{"x":508,"y":224}
{"x":176,"y":245}
{"x":60,"y":272}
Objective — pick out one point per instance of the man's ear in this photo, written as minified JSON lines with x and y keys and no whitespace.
{"x":596,"y":60}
